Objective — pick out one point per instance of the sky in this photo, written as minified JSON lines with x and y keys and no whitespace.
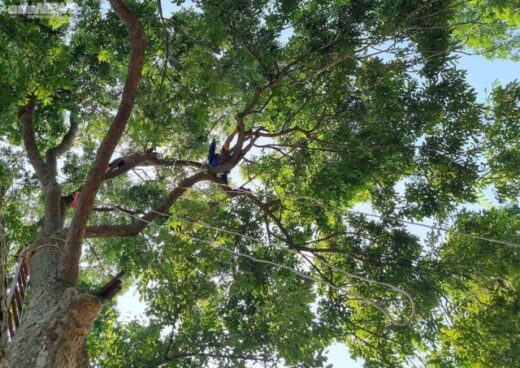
{"x":481,"y":74}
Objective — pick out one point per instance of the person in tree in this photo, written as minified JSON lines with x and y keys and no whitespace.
{"x":215,"y":159}
{"x":115,"y":164}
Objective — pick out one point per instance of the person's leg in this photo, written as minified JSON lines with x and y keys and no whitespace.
{"x":212,"y":159}
{"x":224,"y":177}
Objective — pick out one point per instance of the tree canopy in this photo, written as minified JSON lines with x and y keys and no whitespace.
{"x":350,"y":104}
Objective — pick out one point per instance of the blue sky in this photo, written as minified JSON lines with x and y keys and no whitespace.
{"x":482,"y":73}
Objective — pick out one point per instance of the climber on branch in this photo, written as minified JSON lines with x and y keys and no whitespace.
{"x":227,"y":153}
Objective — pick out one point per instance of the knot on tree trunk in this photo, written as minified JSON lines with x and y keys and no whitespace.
{"x":78,"y":311}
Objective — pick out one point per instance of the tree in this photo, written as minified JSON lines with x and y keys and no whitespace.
{"x":345,"y":100}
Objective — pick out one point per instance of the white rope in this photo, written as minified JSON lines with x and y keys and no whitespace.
{"x":372,"y":302}
{"x":318,"y":203}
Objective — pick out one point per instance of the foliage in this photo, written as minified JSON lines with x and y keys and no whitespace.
{"x":503,"y":134}
{"x":489,"y":27}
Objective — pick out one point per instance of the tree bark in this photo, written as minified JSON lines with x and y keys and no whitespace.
{"x":57,"y":318}
{"x":4,"y":362}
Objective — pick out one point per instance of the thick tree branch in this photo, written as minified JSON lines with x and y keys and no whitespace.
{"x":139,"y":160}
{"x":145,"y":220}
{"x":72,"y":250}
{"x":148,"y":159}
{"x":45,"y":174}
{"x":26,"y":114}
{"x":111,"y":288}
{"x":3,"y":283}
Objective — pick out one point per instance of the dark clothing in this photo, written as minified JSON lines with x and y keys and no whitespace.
{"x":223,"y":176}
{"x":117,"y":163}
{"x":214,"y":159}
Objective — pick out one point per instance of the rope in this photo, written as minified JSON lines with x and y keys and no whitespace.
{"x":318,"y":203}
{"x":29,"y":252}
{"x":372,"y":302}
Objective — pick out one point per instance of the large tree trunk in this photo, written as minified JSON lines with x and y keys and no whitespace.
{"x":56,"y":319}
{"x":4,"y":362}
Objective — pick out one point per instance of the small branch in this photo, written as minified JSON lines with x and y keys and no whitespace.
{"x":328,"y":237}
{"x":285,"y":132}
{"x":317,"y":269}
{"x":249,"y":109}
{"x":116,"y":208}
{"x":355,"y":255}
{"x":326,"y":67}
{"x":69,"y":267}
{"x":215,"y":124}
{"x":112,"y":287}
{"x":263,"y":206}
